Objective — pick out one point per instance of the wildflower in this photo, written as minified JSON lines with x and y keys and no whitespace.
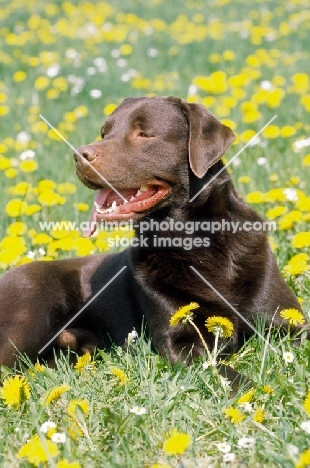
{"x":306,"y":160}
{"x":223,"y":447}
{"x":288,"y":357}
{"x":160,"y":465}
{"x":59,"y":437}
{"x":15,"y":391}
{"x":54,"y":394}
{"x":183,"y":314}
{"x":246,"y":397}
{"x":244,"y":179}
{"x":304,"y":459}
{"x":177,"y":443}
{"x":307,"y":403}
{"x":276,"y":212}
{"x":246,"y":406}
{"x":138,"y":410}
{"x":84,"y":363}
{"x":46,"y":426}
{"x":293,"y":316}
{"x":38,"y":452}
{"x":255,"y":197}
{"x":305,"y":426}
{"x":301,"y":240}
{"x":65,"y":464}
{"x":83,"y":405}
{"x":259,"y":415}
{"x":120,"y":374}
{"x":16,"y":229}
{"x":220,"y":325}
{"x":234,"y":414}
{"x":246,"y":442}
{"x":28,"y":166}
{"x":131,"y":338}
{"x":268,"y":389}
{"x":229,"y":457}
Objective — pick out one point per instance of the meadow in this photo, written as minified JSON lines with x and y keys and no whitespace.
{"x":73,"y":62}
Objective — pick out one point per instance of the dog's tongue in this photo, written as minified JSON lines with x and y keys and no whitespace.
{"x":100,"y":199}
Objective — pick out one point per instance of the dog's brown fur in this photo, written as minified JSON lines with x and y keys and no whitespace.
{"x":179,"y":145}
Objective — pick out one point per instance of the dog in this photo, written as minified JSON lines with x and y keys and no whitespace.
{"x":158,"y":162}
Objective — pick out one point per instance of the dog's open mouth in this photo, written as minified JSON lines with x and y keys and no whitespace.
{"x":110,"y":205}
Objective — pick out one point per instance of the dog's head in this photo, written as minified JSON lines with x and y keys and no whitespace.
{"x":149,"y":149}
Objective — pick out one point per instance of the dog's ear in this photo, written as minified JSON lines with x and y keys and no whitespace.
{"x":208,"y":138}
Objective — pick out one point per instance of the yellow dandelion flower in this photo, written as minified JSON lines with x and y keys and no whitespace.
{"x":120,"y":375}
{"x":38,"y":368}
{"x":20,"y":75}
{"x":28,"y":166}
{"x":64,"y":463}
{"x":54,"y":394}
{"x":307,"y":403}
{"x":304,"y":460}
{"x":301,"y":240}
{"x":46,"y":185}
{"x":17,"y":229}
{"x":15,"y":391}
{"x":66,"y":188}
{"x":160,"y":465}
{"x":293,"y":316}
{"x":297,"y":265}
{"x":255,"y":197}
{"x":11,"y":173}
{"x":31,"y":209}
{"x":177,"y":443}
{"x":81,"y":206}
{"x":234,"y":414}
{"x":268,"y":389}
{"x":74,"y":430}
{"x":50,"y":198}
{"x":36,"y":451}
{"x":84,"y":363}
{"x":247,"y":397}
{"x":15,"y":207}
{"x":83,"y":405}
{"x":275,"y":212}
{"x":42,"y":238}
{"x":273,"y":177}
{"x":259,"y":415}
{"x":244,"y":179}
{"x":220,"y":325}
{"x":306,"y":160}
{"x":183,"y":314}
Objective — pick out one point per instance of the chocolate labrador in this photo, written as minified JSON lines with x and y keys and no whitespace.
{"x":158,"y":164}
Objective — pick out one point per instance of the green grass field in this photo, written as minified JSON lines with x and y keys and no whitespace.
{"x":73,"y":62}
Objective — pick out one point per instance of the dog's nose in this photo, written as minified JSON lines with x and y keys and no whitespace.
{"x":86,"y":152}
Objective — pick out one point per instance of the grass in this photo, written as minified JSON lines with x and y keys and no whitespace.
{"x":139,"y":48}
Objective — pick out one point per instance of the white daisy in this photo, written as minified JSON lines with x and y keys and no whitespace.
{"x":246,"y":442}
{"x":229,"y":457}
{"x":138,"y":410}
{"x":47,"y":426}
{"x":288,"y":357}
{"x":59,"y":438}
{"x":223,"y":447}
{"x":305,"y":426}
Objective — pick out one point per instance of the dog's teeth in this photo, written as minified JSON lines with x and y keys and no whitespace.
{"x":132,"y":198}
{"x":113,"y":207}
{"x":138,"y":193}
{"x":96,"y":205}
{"x":143,"y":188}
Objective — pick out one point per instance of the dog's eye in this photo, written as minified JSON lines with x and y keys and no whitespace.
{"x":102,"y":136}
